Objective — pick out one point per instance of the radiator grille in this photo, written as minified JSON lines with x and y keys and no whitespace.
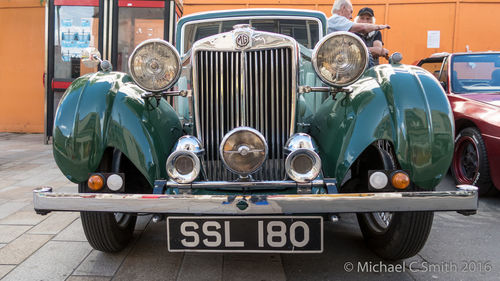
{"x":251,"y":88}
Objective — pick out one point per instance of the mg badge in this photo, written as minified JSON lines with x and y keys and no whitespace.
{"x":242,"y":40}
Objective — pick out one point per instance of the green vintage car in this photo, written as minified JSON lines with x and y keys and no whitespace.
{"x":249,"y":135}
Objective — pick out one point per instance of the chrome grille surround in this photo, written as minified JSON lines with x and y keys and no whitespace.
{"x":236,"y":96}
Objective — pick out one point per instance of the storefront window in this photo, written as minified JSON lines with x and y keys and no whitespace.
{"x":76,"y":28}
{"x":135,"y":26}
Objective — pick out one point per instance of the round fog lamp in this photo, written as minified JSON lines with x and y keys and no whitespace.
{"x":378,"y":180}
{"x":303,"y":165}
{"x":183,"y":166}
{"x":243,"y":150}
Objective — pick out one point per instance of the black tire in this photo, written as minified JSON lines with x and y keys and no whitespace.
{"x":470,"y":161}
{"x":107,"y":232}
{"x":403,"y":238}
{"x":394,"y":235}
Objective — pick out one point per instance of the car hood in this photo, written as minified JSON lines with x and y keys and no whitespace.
{"x":489,"y":98}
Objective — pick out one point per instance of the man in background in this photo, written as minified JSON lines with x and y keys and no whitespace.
{"x":373,"y":40}
{"x":341,"y":16}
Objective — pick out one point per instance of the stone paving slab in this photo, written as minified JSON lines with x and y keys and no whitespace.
{"x":5,"y":181}
{"x":10,"y":207}
{"x":62,"y":181}
{"x":23,"y":218}
{"x":15,"y":193}
{"x":2,"y":245}
{"x":54,"y":261}
{"x":44,"y":158}
{"x":74,"y":232}
{"x":200,"y":267}
{"x":468,"y":257}
{"x":142,"y":222}
{"x":33,"y":181}
{"x":55,"y":223}
{"x":24,"y":171}
{"x":102,"y":264}
{"x":4,"y":269}
{"x":252,"y":267}
{"x":66,"y":188}
{"x":10,"y":232}
{"x":88,"y":278}
{"x":149,"y":259}
{"x":21,"y":248}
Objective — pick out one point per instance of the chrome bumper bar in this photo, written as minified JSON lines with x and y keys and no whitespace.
{"x":463,"y":200}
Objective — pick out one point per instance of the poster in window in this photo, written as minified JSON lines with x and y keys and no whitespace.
{"x":75,"y":36}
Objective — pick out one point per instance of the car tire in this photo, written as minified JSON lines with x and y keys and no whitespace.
{"x":470,"y":161}
{"x":394,"y":235}
{"x":404,"y":236}
{"x":107,"y":232}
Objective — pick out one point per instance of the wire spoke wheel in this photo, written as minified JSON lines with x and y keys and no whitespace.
{"x":379,"y":221}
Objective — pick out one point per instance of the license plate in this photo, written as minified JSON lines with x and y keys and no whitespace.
{"x":283,"y":234}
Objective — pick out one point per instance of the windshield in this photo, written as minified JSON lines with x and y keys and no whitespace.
{"x":475,"y":73}
{"x":305,"y":31}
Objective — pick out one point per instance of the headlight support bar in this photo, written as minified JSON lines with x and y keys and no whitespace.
{"x":332,"y":90}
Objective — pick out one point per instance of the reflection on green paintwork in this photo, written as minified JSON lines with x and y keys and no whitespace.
{"x":104,"y":110}
{"x":401,"y":104}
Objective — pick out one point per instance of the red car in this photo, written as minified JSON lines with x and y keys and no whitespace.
{"x":472,"y":84}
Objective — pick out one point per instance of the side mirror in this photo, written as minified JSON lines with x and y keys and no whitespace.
{"x":91,"y":57}
{"x":395,"y":58}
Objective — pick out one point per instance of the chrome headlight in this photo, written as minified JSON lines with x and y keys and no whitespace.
{"x":303,"y":163}
{"x":183,"y":165}
{"x":243,"y":150}
{"x":155,"y":65}
{"x":340,"y":58}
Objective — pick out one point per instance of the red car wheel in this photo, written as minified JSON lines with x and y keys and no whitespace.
{"x":470,"y":161}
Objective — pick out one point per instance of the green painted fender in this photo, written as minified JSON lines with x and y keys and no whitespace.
{"x":102,"y":110}
{"x":402,"y":104}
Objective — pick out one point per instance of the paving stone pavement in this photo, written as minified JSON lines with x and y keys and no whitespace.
{"x":54,"y":247}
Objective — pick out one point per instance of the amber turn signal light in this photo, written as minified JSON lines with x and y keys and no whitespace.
{"x":96,"y":182}
{"x":400,"y":180}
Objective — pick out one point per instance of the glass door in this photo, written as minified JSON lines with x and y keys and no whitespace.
{"x":114,"y":27}
{"x":71,"y":26}
{"x":135,"y":22}
{"x":75,"y":29}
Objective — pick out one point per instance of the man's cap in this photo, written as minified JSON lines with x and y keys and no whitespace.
{"x":366,"y":10}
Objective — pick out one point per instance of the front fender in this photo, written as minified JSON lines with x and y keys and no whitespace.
{"x":402,"y":104}
{"x":104,"y":110}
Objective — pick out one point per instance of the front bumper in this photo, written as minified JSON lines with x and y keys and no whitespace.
{"x":464,"y":200}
